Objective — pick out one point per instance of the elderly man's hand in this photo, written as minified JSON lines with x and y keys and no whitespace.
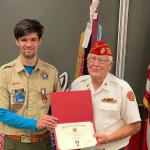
{"x":47,"y":121}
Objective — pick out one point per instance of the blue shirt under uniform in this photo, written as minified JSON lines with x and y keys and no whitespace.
{"x":29,"y":69}
{"x":12,"y":119}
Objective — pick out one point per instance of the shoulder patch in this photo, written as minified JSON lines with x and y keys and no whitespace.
{"x":130,"y":96}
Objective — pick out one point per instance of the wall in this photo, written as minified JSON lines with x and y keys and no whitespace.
{"x":64,"y":20}
{"x":138,"y":46}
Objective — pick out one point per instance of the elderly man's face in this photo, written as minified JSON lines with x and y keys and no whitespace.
{"x":98,"y":66}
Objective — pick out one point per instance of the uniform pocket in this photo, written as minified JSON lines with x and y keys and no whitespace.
{"x":108,"y":106}
{"x":108,"y":111}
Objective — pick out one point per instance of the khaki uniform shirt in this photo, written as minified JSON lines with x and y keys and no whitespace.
{"x":114,"y":105}
{"x":26,"y":95}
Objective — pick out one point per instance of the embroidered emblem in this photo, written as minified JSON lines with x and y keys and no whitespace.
{"x":17,"y":96}
{"x":130,"y":96}
{"x":44,"y":75}
{"x":20,"y":97}
{"x":102,"y":51}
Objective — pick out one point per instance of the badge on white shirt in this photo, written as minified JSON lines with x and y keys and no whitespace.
{"x":108,"y":104}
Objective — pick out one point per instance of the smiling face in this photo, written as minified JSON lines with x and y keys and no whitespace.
{"x":29,"y":45}
{"x":98,"y":66}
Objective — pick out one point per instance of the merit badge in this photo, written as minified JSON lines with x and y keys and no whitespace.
{"x":44,"y":75}
{"x":130,"y":96}
{"x":20,"y":97}
{"x":17,"y":96}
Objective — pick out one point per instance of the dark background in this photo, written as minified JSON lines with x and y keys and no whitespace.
{"x":64,"y":20}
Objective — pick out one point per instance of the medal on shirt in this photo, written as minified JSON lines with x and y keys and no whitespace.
{"x":109,"y":100}
{"x":43,"y":95}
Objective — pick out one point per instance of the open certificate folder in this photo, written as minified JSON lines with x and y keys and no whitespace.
{"x":75,"y":119}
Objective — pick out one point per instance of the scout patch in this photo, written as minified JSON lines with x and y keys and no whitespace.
{"x":109,"y":100}
{"x":130,"y":96}
{"x":20,"y":96}
{"x":17,"y":96}
{"x":44,"y":75}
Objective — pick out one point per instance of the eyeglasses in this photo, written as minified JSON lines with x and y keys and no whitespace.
{"x":100,"y":60}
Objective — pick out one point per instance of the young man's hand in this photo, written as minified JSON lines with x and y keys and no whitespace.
{"x":47,"y":121}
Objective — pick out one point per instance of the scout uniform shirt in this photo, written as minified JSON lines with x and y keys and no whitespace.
{"x":114,"y":105}
{"x":26,"y":95}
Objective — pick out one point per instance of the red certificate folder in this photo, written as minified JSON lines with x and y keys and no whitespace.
{"x":72,"y":106}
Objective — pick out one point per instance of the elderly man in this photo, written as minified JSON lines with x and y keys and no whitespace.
{"x":116,"y":114}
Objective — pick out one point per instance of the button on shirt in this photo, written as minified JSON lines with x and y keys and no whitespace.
{"x":23,"y":93}
{"x":111,"y":105}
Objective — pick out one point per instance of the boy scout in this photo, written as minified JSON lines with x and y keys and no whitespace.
{"x":25,"y":84}
{"x":116,"y":115}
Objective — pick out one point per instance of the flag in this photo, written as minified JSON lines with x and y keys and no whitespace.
{"x":146,"y":102}
{"x":87,"y":39}
{"x":92,"y":34}
{"x":146,"y":99}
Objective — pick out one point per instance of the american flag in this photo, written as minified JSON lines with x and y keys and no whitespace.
{"x":146,"y":99}
{"x":146,"y":102}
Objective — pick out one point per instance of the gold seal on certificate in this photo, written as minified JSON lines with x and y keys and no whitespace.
{"x":75,"y":135}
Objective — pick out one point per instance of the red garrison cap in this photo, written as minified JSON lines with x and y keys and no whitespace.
{"x":101,"y":48}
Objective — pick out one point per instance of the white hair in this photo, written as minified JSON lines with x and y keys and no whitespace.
{"x":110,"y":59}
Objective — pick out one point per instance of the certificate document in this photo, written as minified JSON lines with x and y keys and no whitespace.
{"x":74,"y":111}
{"x":75,"y":135}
